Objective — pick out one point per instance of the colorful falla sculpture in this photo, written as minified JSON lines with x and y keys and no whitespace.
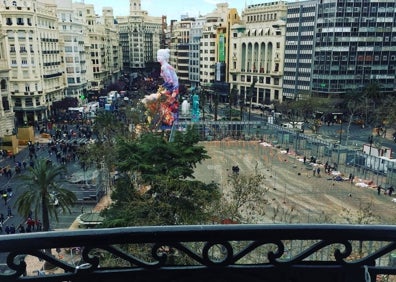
{"x":164,"y":105}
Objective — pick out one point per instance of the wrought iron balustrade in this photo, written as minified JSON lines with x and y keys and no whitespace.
{"x":275,"y":253}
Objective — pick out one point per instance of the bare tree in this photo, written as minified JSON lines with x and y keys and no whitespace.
{"x":244,"y":197}
{"x":354,"y":105}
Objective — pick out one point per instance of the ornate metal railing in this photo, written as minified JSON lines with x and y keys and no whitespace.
{"x":323,"y":253}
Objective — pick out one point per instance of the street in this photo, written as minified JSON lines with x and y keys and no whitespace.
{"x":77,"y":180}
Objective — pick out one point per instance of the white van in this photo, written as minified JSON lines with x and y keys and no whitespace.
{"x":111,"y":96}
{"x":296,"y":125}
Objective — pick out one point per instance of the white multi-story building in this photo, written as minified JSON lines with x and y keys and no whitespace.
{"x":140,"y":37}
{"x":179,"y":46}
{"x":213,"y":44}
{"x":104,"y":50}
{"x":6,"y":110}
{"x":35,"y":58}
{"x":113,"y":53}
{"x":256,"y":53}
{"x":194,"y":51}
{"x":72,"y":30}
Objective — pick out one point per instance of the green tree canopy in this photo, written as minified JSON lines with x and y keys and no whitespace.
{"x":151,"y":155}
{"x":158,"y":186}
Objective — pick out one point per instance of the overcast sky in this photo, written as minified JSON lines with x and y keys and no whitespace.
{"x":173,"y":9}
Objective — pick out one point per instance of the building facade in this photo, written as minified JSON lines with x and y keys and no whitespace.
{"x":6,"y":110}
{"x":180,"y":48}
{"x":298,"y":55}
{"x":213,"y":56}
{"x":104,"y":49}
{"x":256,"y":53}
{"x":72,"y":28}
{"x":194,"y":51}
{"x":36,"y":70}
{"x":140,"y":36}
{"x":335,"y":46}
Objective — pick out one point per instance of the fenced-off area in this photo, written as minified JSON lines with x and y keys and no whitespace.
{"x":349,"y":160}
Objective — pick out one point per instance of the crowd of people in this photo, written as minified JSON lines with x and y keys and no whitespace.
{"x":62,"y":147}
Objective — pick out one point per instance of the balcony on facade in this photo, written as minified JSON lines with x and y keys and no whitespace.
{"x":275,"y":253}
{"x":29,"y":109}
{"x":52,"y":75}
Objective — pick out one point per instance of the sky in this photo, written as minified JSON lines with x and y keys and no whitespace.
{"x":173,"y":9}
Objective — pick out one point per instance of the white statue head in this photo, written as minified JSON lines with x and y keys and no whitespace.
{"x":163,"y":55}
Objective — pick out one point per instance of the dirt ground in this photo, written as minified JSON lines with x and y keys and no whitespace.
{"x":293,"y":189}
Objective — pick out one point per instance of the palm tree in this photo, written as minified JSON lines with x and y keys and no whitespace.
{"x":45,"y":195}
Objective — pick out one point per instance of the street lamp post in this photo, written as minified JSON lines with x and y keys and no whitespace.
{"x":251,"y":91}
{"x":340,"y":131}
{"x":370,"y":140}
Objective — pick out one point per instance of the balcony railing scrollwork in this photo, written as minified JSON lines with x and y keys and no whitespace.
{"x":207,"y":253}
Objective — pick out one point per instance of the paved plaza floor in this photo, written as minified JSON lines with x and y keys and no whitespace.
{"x":292,"y":185}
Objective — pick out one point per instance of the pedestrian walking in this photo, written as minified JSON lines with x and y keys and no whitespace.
{"x":9,"y":212}
{"x":39,"y":226}
{"x":391,"y":190}
{"x":318,"y":171}
{"x":351,"y":177}
{"x":21,"y":228}
{"x":379,"y":188}
{"x":314,"y":171}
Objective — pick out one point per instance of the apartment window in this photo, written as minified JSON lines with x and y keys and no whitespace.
{"x":29,"y":102}
{"x":6,"y":104}
{"x":19,"y":21}
{"x":276,"y":94}
{"x":18,"y":102}
{"x":3,"y":84}
{"x":27,"y":88}
{"x":9,"y":21}
{"x":38,"y":101}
